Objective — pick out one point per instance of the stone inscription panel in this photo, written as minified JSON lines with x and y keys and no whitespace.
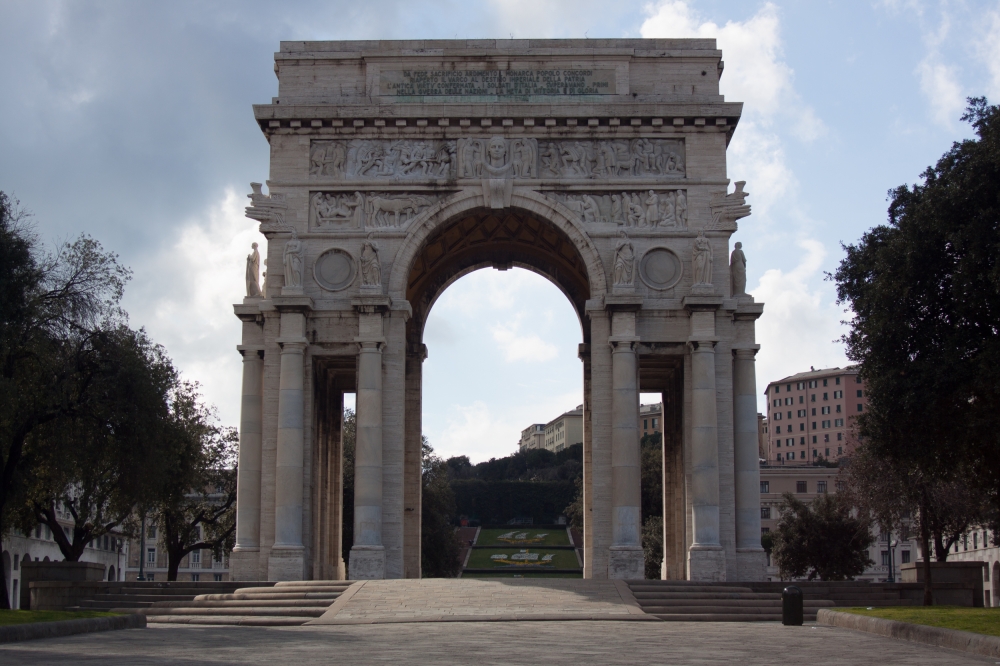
{"x":512,"y":83}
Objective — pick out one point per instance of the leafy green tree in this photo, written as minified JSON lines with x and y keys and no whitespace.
{"x":822,"y":540}
{"x":924,"y":290}
{"x":195,"y":506}
{"x":652,"y":545}
{"x":349,"y":439}
{"x":96,"y":464}
{"x":440,"y":548}
{"x":51,"y":304}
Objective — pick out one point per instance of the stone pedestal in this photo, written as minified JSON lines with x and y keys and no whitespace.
{"x":367,"y":563}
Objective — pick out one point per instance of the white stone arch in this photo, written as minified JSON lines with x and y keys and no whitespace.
{"x":472,"y":198}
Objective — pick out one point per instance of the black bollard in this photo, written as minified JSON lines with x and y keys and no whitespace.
{"x":791,"y":606}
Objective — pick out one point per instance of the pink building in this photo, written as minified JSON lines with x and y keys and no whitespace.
{"x":810,"y":415}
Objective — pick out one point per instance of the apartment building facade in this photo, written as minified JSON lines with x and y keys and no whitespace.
{"x":806,"y":483}
{"x":810,"y":415}
{"x":198,"y":565}
{"x":567,"y":429}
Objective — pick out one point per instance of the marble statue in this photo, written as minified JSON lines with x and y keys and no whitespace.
{"x":702,"y":259}
{"x":738,"y":270}
{"x":624,"y":258}
{"x":253,"y":269}
{"x":371,"y":270}
{"x":263,"y":282}
{"x":293,"y":263}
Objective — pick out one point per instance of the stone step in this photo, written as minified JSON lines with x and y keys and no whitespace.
{"x":729,"y":603}
{"x":251,"y":603}
{"x":310,"y":583}
{"x":101,"y":604}
{"x":702,"y":610}
{"x":140,"y":598}
{"x":277,"y":595}
{"x":725,"y":617}
{"x":246,"y":621}
{"x":651,"y":586}
{"x":276,"y":611}
{"x":706,"y":595}
{"x":300,"y":589}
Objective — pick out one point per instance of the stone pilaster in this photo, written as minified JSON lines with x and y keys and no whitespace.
{"x":750,"y":558}
{"x":625,"y":557}
{"x":706,"y":557}
{"x":287,"y":558}
{"x":367,"y":559}
{"x":244,"y":560}
{"x":412,"y":464}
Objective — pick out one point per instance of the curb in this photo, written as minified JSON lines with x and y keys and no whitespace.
{"x":33,"y":630}
{"x":964,"y":641}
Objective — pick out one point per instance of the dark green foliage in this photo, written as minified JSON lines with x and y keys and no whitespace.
{"x":651,"y":474}
{"x":821,"y":540}
{"x":925,"y":293}
{"x":440,"y":548}
{"x":575,"y":509}
{"x":531,"y":465}
{"x":349,"y":439}
{"x":496,"y":502}
{"x":652,"y":545}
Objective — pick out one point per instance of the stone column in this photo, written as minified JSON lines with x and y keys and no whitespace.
{"x":367,"y":560}
{"x":287,"y":560}
{"x":706,"y":559}
{"x":750,"y":558}
{"x":412,"y":464}
{"x":244,"y":563}
{"x":625,"y":556}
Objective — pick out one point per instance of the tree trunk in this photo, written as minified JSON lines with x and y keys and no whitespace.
{"x":925,"y":539}
{"x":940,"y":550}
{"x":174,"y":557}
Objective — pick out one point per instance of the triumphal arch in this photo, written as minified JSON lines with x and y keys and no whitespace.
{"x":397,"y":168}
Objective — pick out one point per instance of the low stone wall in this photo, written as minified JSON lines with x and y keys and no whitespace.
{"x":32,"y":572}
{"x":61,"y":595}
{"x":861,"y":593}
{"x":965,"y":641}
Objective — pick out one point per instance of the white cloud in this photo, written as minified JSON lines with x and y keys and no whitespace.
{"x":939,"y":84}
{"x":518,"y":346}
{"x":803,"y":317}
{"x":988,"y":49}
{"x":475,"y":432}
{"x":184,"y":296}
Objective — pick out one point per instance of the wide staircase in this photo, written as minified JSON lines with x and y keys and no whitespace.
{"x":285,"y":604}
{"x":680,"y":601}
{"x":133,"y":595}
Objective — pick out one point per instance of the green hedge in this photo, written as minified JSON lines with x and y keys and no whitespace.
{"x":496,"y":502}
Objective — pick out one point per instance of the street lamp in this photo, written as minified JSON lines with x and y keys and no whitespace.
{"x":892,"y":557}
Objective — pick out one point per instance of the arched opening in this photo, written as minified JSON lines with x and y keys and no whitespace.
{"x":504,"y":240}
{"x":111,"y":573}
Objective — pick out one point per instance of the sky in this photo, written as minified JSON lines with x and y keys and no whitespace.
{"x":131,"y":121}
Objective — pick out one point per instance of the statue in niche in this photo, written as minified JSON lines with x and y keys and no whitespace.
{"x":624,"y":259}
{"x":702,"y":259}
{"x":371,"y":270}
{"x":253,"y":269}
{"x":263,"y":282}
{"x":738,"y":271}
{"x":293,"y":263}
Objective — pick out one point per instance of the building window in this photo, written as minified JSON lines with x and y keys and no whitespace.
{"x":765,"y":530}
{"x":861,"y":407}
{"x":838,"y":394}
{"x":815,"y":453}
{"x":777,"y":430}
{"x":195,"y":578}
{"x":765,"y":486}
{"x":788,"y":387}
{"x":802,"y":455}
{"x":826,"y":396}
{"x":825,"y":410}
{"x":827,"y":453}
{"x":800,"y":413}
{"x":840,"y":436}
{"x":813,"y":398}
{"x":802,"y":441}
{"x":826,"y":438}
{"x":859,"y":393}
{"x":802,"y":427}
{"x":965,"y":542}
{"x":765,"y":512}
{"x":840,"y":486}
{"x":826,"y":424}
{"x":151,"y":556}
{"x":975,"y":540}
{"x":838,"y":423}
{"x":857,"y":379}
{"x":151,"y":532}
{"x":777,"y":389}
{"x":814,"y":411}
{"x":655,"y":424}
{"x":824,"y":383}
{"x":838,"y":409}
{"x":840,"y":451}
{"x":789,"y":415}
{"x":906,"y":556}
{"x":217,"y":578}
{"x":150,"y":577}
{"x":814,"y":439}
{"x":837,"y":380}
{"x":790,"y":441}
{"x":196,"y":556}
{"x":885,"y":558}
{"x":821,"y":487}
{"x":800,"y":487}
{"x":779,"y":456}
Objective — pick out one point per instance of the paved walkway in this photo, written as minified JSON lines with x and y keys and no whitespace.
{"x":456,"y":600}
{"x":529,"y":643}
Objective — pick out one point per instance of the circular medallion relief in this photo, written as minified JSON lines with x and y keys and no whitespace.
{"x":660,"y":268}
{"x":334,"y":270}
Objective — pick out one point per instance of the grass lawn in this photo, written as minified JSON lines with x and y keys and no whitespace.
{"x":513,"y":558}
{"x":977,"y":620}
{"x":526,"y":574}
{"x":25,"y":617}
{"x":523,"y":537}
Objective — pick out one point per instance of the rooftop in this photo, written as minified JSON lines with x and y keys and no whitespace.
{"x":817,"y":374}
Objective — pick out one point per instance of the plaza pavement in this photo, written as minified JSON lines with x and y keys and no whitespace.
{"x":576,"y":643}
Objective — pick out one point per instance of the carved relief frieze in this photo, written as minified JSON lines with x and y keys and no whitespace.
{"x":497,"y":157}
{"x":378,"y":159}
{"x":613,"y":158}
{"x":649,"y":209}
{"x":334,"y":211}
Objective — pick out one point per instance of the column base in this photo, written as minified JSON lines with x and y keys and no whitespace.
{"x":367,"y":563}
{"x":626,"y":563}
{"x":751,"y":564}
{"x":244,"y":564}
{"x":286,"y":563}
{"x":707,"y":563}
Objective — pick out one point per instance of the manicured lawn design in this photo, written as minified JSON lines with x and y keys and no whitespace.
{"x":523,"y":537}
{"x":977,"y":620}
{"x":516,"y":558}
{"x":524,"y":574}
{"x":26,"y":617}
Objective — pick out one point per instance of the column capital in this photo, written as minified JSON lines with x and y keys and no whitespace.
{"x":701,"y":302}
{"x":375,"y":344}
{"x":623,"y":342}
{"x":249,"y":352}
{"x":747,"y":353}
{"x":417,"y":351}
{"x":620,"y":302}
{"x":709,"y":343}
{"x":371,"y":304}
{"x":292,"y":345}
